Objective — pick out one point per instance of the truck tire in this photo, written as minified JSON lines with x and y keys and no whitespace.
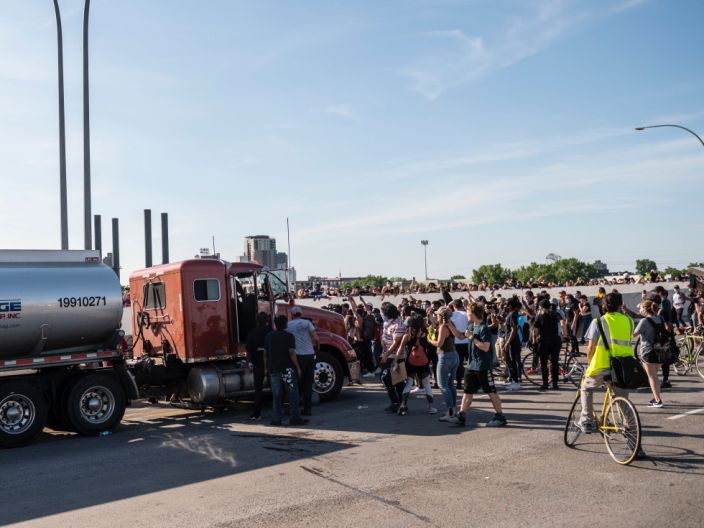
{"x":95,"y":403}
{"x":23,"y":411}
{"x":328,"y":377}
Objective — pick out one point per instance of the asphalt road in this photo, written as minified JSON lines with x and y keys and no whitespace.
{"x":354,"y":465}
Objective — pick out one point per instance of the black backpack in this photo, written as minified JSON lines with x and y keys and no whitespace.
{"x":368,"y":327}
{"x":665,"y":346}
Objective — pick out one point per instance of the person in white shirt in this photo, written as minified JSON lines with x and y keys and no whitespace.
{"x":461,"y":321}
{"x":678,"y":301}
{"x":307,"y":345}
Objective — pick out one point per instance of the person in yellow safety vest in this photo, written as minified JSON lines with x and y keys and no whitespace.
{"x":618,"y":329}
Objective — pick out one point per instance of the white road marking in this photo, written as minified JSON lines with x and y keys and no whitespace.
{"x":693,"y":411}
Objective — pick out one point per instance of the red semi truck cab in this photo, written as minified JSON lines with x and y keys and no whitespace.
{"x":196,"y":314}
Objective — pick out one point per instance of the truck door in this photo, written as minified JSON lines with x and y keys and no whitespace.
{"x":265,"y":299}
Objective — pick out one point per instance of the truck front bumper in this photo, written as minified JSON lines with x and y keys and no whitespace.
{"x":355,"y":371}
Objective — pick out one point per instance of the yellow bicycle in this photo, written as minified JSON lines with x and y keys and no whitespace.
{"x":618,"y":423}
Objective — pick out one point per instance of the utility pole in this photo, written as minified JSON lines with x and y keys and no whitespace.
{"x":62,"y":132}
{"x":425,"y":251}
{"x":86,"y":133}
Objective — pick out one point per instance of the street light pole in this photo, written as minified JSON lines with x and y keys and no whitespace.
{"x":675,"y":126}
{"x":86,"y":134}
{"x":62,"y":132}
{"x":425,"y":251}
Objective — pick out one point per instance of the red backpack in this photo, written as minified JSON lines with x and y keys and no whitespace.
{"x":417,"y":356}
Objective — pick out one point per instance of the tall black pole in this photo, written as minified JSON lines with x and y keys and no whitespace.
{"x":98,"y":235}
{"x":116,"y":246}
{"x":86,"y":132}
{"x":147,"y":238}
{"x":62,"y":132}
{"x":164,"y":238}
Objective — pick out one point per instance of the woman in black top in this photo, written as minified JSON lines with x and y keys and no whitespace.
{"x":547,"y":323}
{"x":255,"y":355}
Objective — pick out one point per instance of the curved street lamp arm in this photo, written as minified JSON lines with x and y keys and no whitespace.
{"x":675,"y":126}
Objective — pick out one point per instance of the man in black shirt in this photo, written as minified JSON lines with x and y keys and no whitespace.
{"x":282,"y":365}
{"x":547,"y":323}
{"x":255,"y":355}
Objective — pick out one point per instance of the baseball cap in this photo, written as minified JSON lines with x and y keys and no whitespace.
{"x":296,"y":310}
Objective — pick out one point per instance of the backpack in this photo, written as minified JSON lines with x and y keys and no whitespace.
{"x":417,"y":356}
{"x":665,"y":346}
{"x":522,"y":330}
{"x":368,"y":327}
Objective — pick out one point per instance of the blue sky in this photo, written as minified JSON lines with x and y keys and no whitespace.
{"x":500,"y":131}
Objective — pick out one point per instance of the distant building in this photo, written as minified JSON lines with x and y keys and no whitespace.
{"x":326,"y":282}
{"x":262,"y":249}
{"x":601,"y":268}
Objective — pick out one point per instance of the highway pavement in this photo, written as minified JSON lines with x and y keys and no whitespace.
{"x":354,"y":465}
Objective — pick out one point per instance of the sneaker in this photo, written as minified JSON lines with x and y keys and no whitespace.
{"x":297,"y":421}
{"x":255,"y":416}
{"x":458,"y":419}
{"x":666,"y":385}
{"x":555,"y":387}
{"x":513,"y":386}
{"x":586,"y":428}
{"x":432,"y":410}
{"x":655,"y":403}
{"x":417,"y":390}
{"x":402,"y":410}
{"x":377,"y":372}
{"x":543,"y":388}
{"x":369,"y":375}
{"x":392,"y":408}
{"x":499,"y":420}
{"x":447,"y":417}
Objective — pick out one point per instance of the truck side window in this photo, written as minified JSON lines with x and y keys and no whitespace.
{"x":206,"y":290}
{"x":154,"y":296}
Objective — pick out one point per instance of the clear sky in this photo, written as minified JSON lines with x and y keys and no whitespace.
{"x":500,"y":131}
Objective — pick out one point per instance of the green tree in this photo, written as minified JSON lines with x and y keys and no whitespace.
{"x":645,"y":266}
{"x":536,"y":272}
{"x":571,"y":269}
{"x":675,"y":272}
{"x":491,"y":273}
{"x":370,"y":280}
{"x":458,"y":277}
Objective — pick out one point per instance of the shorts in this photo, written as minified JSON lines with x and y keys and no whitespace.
{"x":476,"y":379}
{"x":650,"y":357}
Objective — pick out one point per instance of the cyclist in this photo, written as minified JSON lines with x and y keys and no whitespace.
{"x":618,"y":329}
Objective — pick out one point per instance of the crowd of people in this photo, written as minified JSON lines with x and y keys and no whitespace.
{"x":319,"y":291}
{"x":458,"y":344}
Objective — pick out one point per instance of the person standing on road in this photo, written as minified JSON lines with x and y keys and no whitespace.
{"x":448,"y":360}
{"x":478,"y":374}
{"x":392,"y":335}
{"x":512,"y":345}
{"x":256,"y":356}
{"x":646,"y":330}
{"x":414,"y":348}
{"x":585,"y":312}
{"x":461,"y":322}
{"x":365,"y":324}
{"x":547,"y":323}
{"x":678,"y":301}
{"x":618,"y":329}
{"x":284,"y":371}
{"x":307,"y":345}
{"x":665,"y":312}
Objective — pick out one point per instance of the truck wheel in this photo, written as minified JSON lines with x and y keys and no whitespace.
{"x":23,"y":411}
{"x":328,"y":377}
{"x":95,"y":403}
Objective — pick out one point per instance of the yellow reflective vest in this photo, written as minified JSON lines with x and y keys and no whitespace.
{"x":618,"y":329}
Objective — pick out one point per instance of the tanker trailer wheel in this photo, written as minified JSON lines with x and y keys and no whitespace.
{"x":95,"y":403}
{"x":23,"y":411}
{"x":328,"y":376}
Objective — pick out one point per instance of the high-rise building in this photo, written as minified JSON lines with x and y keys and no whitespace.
{"x":262,"y":249}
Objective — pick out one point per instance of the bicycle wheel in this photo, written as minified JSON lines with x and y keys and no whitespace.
{"x":699,"y":361}
{"x":531,"y":369}
{"x":621,"y":429}
{"x":574,"y":372}
{"x":682,"y":365}
{"x":572,"y":432}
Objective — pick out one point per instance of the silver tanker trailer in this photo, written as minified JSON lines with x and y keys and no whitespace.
{"x":60,"y":356}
